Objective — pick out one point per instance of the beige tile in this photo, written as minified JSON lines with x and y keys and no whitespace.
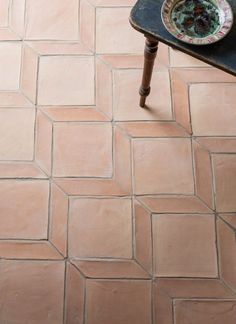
{"x":4,"y":5}
{"x":203,"y":311}
{"x":100,"y":228}
{"x":163,"y":165}
{"x":17,"y":17}
{"x":66,"y":80}
{"x":122,"y":301}
{"x":83,"y":149}
{"x":10,"y":62}
{"x":225,"y":181}
{"x":213,"y":108}
{"x":111,"y":26}
{"x":16,"y":134}
{"x":57,"y":19}
{"x":180,"y":59}
{"x":184,"y":245}
{"x":31,"y":292}
{"x":126,"y":96}
{"x":24,"y":209}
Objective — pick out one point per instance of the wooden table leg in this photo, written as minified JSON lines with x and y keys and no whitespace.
{"x":150,"y":54}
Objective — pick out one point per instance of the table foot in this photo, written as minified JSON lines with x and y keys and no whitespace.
{"x":150,"y":54}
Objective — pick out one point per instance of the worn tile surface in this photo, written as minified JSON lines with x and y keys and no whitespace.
{"x":109,"y":213}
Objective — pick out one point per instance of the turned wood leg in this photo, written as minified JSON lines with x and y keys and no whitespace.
{"x":150,"y":54}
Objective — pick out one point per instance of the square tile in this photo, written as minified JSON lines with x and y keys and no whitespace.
{"x":58,"y":19}
{"x":225,"y":181}
{"x":163,"y":165}
{"x":10,"y":63}
{"x":31,"y":292}
{"x":66,"y":80}
{"x":184,"y":245}
{"x":24,"y":209}
{"x":82,"y":150}
{"x":126,"y":98}
{"x":100,"y":228}
{"x":119,"y":301}
{"x":113,"y":32}
{"x":16,"y":134}
{"x":212,"y":107}
{"x":205,"y":311}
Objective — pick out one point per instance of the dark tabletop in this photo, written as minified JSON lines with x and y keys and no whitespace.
{"x":146,"y":18}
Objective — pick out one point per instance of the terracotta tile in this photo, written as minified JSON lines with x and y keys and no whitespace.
{"x":14,"y":99}
{"x":159,"y":106}
{"x":66,"y":80}
{"x":17,"y":17}
{"x":83,"y":149}
{"x":180,"y":59}
{"x":218,"y":144}
{"x":20,"y":170}
{"x":66,"y":113}
{"x":225,"y":185}
{"x":174,"y":204}
{"x":8,"y":35}
{"x":122,"y":301}
{"x":24,"y":209}
{"x":156,"y":169}
{"x":212,"y":108}
{"x":16,"y":134}
{"x":90,"y":187}
{"x":203,"y":174}
{"x":4,"y":13}
{"x":230,"y":219}
{"x":153,"y":129}
{"x":111,"y":26}
{"x":184,"y":245}
{"x":10,"y":61}
{"x":87,"y":24}
{"x":205,"y":311}
{"x":58,"y":20}
{"x":93,"y":219}
{"x":111,"y":3}
{"x":25,"y":249}
{"x":143,"y":236}
{"x":227,"y":256}
{"x":58,"y":48}
{"x":111,"y":269}
{"x":43,"y":143}
{"x":31,"y":292}
{"x":59,"y":219}
{"x":75,"y":293}
{"x":29,"y":73}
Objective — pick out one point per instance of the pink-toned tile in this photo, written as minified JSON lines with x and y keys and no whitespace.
{"x":29,"y":73}
{"x":227,"y":255}
{"x":4,"y":5}
{"x":57,"y":20}
{"x":17,"y":16}
{"x":123,"y":302}
{"x":126,"y":97}
{"x":218,"y":144}
{"x":66,"y":80}
{"x":87,"y":24}
{"x":143,"y":236}
{"x":83,"y":149}
{"x":225,"y":181}
{"x":16,"y":134}
{"x":212,"y":108}
{"x":10,"y":62}
{"x":58,"y":219}
{"x":58,"y":48}
{"x":20,"y":170}
{"x":75,"y":293}
{"x":163,"y":165}
{"x":32,"y":292}
{"x":14,"y":99}
{"x":111,"y":26}
{"x":180,"y":59}
{"x":43,"y":142}
{"x":230,"y":219}
{"x":92,"y":220}
{"x":205,"y":311}
{"x":184,"y":245}
{"x":24,"y":209}
{"x":111,"y":269}
{"x":174,"y":204}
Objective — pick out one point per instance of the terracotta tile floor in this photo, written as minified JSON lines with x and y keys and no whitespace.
{"x":109,"y":213}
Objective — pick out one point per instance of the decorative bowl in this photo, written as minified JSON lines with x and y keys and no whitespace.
{"x":197,"y":22}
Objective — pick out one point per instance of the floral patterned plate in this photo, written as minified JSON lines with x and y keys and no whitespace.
{"x":198,"y":22}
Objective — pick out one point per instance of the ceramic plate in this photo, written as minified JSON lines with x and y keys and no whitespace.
{"x":198,"y":22}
